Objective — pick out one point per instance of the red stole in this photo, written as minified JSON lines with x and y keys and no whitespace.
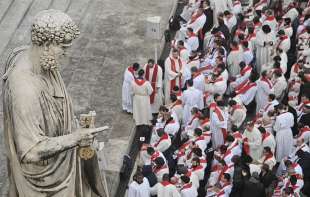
{"x":282,"y":38}
{"x":194,"y":18}
{"x":197,"y":115}
{"x":236,"y":3}
{"x":131,"y":70}
{"x":265,"y":135}
{"x":155,"y":155}
{"x":139,"y":82}
{"x":199,"y":138}
{"x":245,"y":88}
{"x":296,"y":68}
{"x":221,"y":118}
{"x":173,"y":68}
{"x":178,"y":102}
{"x":245,"y":69}
{"x":197,"y":168}
{"x":270,"y":18}
{"x":186,"y":186}
{"x":165,"y":183}
{"x":269,"y":156}
{"x":265,"y":79}
{"x":237,"y":135}
{"x":241,"y":85}
{"x":153,"y":81}
{"x":303,"y":130}
{"x":222,"y":192}
{"x":162,"y":138}
{"x":250,"y":36}
{"x":246,"y":146}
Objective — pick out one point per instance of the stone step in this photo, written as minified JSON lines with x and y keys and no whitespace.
{"x":4,"y":7}
{"x":22,"y":34}
{"x":60,"y":4}
{"x":12,"y":20}
{"x":77,"y":9}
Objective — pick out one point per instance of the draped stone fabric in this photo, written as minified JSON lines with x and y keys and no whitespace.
{"x":37,"y":108}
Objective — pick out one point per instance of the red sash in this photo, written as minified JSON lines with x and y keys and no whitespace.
{"x":197,"y":168}
{"x":296,"y":68}
{"x":173,"y":68}
{"x":153,"y":81}
{"x":236,"y":3}
{"x":165,"y":183}
{"x":156,"y":170}
{"x":241,"y":85}
{"x":260,"y":3}
{"x":162,"y":138}
{"x":139,"y":82}
{"x":199,"y":138}
{"x":186,"y":186}
{"x":250,"y":36}
{"x":245,"y":69}
{"x":205,"y":68}
{"x":155,"y":155}
{"x":270,"y":18}
{"x":245,"y":88}
{"x":237,"y":135}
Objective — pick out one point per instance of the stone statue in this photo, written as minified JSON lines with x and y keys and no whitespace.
{"x":41,"y":135}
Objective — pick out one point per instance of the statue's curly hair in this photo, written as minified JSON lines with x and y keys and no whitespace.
{"x":53,"y":26}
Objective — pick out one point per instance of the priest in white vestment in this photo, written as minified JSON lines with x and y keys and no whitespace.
{"x":218,"y":124}
{"x":234,"y":58}
{"x":154,"y":74}
{"x":191,"y":98}
{"x":129,"y":77}
{"x":264,"y":44}
{"x":253,"y":139}
{"x":198,"y":79}
{"x":173,"y":74}
{"x":165,"y":188}
{"x":141,"y":90}
{"x":219,"y":6}
{"x":264,"y":88}
{"x":284,"y":135}
{"x":140,"y":187}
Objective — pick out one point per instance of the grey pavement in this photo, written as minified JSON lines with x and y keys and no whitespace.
{"x":112,"y":37}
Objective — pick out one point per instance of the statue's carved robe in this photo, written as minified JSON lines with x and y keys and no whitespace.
{"x":36,"y":108}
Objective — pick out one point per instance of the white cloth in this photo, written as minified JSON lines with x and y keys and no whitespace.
{"x":255,"y":141}
{"x":219,"y":86}
{"x":284,"y":136}
{"x":238,"y":116}
{"x":191,"y":98}
{"x":262,"y":93}
{"x":199,"y":82}
{"x":139,"y":190}
{"x":158,"y":101}
{"x":219,"y":6}
{"x":247,"y":97}
{"x":279,"y":87}
{"x":230,"y":22}
{"x":233,"y":60}
{"x":192,"y":43}
{"x":263,"y":53}
{"x":165,"y":191}
{"x":189,"y":192}
{"x":269,"y":142}
{"x":127,"y":91}
{"x":248,"y":56}
{"x":142,"y":113}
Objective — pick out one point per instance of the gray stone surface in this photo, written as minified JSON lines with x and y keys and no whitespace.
{"x":112,"y":37}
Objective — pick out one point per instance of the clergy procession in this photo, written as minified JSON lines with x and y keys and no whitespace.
{"x":228,"y":112}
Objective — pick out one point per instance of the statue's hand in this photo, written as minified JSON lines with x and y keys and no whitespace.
{"x":85,"y":136}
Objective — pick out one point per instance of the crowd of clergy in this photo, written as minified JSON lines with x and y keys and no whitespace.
{"x":229,"y":110}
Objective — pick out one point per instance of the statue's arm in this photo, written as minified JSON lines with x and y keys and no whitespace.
{"x":50,"y":147}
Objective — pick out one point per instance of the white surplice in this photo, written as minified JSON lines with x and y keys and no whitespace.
{"x":191,"y":98}
{"x":255,"y":142}
{"x":127,"y":91}
{"x":284,"y":136}
{"x":233,"y":60}
{"x":165,"y":190}
{"x":218,"y":124}
{"x":139,"y":190}
{"x":264,"y":88}
{"x":142,"y":113}
{"x":263,"y":53}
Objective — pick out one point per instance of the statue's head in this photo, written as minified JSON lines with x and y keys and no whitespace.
{"x":53,"y":27}
{"x":53,"y":31}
